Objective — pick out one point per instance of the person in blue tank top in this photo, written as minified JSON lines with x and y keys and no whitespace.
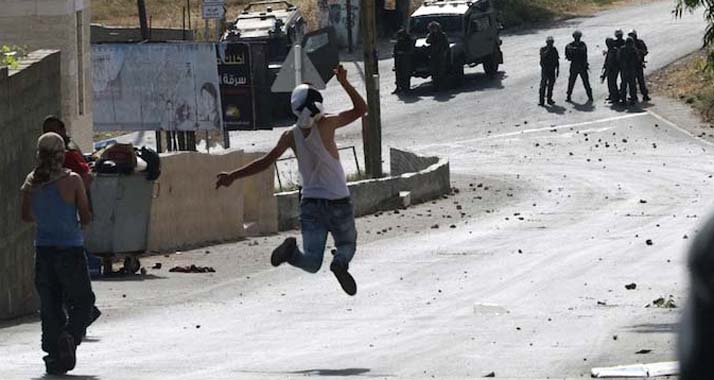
{"x":54,"y":199}
{"x":325,"y":206}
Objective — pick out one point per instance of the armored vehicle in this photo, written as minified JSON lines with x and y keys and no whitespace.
{"x":472,"y":29}
{"x":277,"y":23}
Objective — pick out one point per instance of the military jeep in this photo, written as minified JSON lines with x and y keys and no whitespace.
{"x":472,"y":29}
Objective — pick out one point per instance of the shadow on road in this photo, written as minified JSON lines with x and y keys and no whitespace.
{"x":117,"y":277}
{"x":67,"y":377}
{"x":584,"y":107}
{"x":32,"y":318}
{"x":332,"y":372}
{"x":472,"y":82}
{"x":655,"y":328}
{"x":556,"y":109}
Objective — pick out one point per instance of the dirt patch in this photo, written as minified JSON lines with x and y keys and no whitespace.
{"x":687,"y":81}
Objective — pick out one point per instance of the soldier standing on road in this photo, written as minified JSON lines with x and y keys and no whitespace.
{"x":325,"y":205}
{"x":550,"y":70}
{"x":438,"y":53}
{"x":629,"y":62}
{"x":642,"y":51}
{"x":577,"y":53}
{"x":611,"y":70}
{"x":619,"y":38}
{"x":403,"y":50}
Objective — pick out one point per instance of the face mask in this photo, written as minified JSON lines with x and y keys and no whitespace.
{"x":307,"y":120}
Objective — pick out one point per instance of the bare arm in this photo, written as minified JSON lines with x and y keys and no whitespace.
{"x":359,"y":107}
{"x":227,"y":178}
{"x":81,"y":200}
{"x":26,"y":207}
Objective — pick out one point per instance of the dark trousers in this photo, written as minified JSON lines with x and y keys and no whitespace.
{"x":629,"y":85}
{"x":576,"y":71}
{"x":640,"y":77}
{"x":612,"y":86}
{"x":402,"y":70}
{"x":61,"y":276}
{"x":547,"y":81}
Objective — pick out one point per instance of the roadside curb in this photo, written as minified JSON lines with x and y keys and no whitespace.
{"x":414,"y":179}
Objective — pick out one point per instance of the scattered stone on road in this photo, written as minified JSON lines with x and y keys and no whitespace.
{"x":192,"y":269}
{"x":631,"y":286}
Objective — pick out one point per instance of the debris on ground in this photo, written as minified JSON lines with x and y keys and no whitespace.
{"x":491,"y":374}
{"x":643,"y":351}
{"x":192,"y":269}
{"x":667,"y":303}
{"x":638,"y":371}
{"x":156,"y":266}
{"x":631,"y":286}
{"x":649,"y":242}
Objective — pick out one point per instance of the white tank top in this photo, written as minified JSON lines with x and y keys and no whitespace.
{"x":321,"y":174}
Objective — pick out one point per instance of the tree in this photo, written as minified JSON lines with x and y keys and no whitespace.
{"x":708,"y":39}
{"x":691,"y":6}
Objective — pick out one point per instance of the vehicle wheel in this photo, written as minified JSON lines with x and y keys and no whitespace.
{"x":131,"y":264}
{"x":490,"y":65}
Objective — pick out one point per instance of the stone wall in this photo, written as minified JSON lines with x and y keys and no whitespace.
{"x":62,"y":25}
{"x":26,"y":95}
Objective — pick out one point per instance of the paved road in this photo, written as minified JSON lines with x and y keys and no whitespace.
{"x":524,"y":275}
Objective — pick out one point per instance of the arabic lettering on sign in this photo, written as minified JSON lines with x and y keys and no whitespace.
{"x":232,"y":80}
{"x":235,"y":59}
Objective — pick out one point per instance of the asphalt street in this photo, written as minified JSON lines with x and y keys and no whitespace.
{"x":520,"y":272}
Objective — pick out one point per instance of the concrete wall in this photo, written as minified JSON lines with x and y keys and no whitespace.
{"x":26,"y":95}
{"x":188,"y":211}
{"x":62,"y":25}
{"x":429,"y":179}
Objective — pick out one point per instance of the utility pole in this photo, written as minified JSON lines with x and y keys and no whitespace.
{"x":143,"y":24}
{"x":372,"y":123}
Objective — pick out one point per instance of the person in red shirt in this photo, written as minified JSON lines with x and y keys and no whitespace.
{"x":73,"y":157}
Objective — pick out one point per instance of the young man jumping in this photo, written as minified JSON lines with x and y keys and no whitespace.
{"x":325,"y":205}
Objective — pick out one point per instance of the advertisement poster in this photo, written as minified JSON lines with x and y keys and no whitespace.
{"x":236,"y":86}
{"x":171,"y":87}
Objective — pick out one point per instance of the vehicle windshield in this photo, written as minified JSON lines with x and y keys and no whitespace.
{"x":451,"y":24}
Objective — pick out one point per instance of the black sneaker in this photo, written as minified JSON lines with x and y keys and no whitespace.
{"x":283,"y":252}
{"x":66,"y":354}
{"x":347,"y":282}
{"x":551,"y":102}
{"x":52,"y":366}
{"x":646,"y":98}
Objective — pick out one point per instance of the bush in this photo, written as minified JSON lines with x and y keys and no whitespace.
{"x":10,"y":56}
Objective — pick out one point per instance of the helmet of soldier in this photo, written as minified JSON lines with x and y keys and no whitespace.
{"x":577,"y":34}
{"x":549,"y":40}
{"x":632,"y":33}
{"x":618,"y":33}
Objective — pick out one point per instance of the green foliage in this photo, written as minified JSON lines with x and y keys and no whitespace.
{"x":708,"y":39}
{"x":10,"y":56}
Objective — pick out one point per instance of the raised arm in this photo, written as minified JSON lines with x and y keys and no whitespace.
{"x":359,"y":107}
{"x":227,"y":178}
